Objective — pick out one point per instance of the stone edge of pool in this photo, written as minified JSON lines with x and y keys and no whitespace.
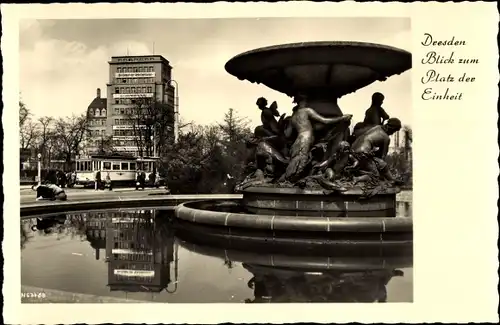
{"x":165,"y":201}
{"x":58,"y":296}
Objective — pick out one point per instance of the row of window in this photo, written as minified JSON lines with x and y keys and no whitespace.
{"x":134,"y":69}
{"x":106,"y":165}
{"x":97,"y":122}
{"x":124,"y":121}
{"x":133,"y":90}
{"x":124,"y":101}
{"x":98,"y":233}
{"x":124,"y":133}
{"x":123,"y":243}
{"x":98,"y":112}
{"x":97,"y":133}
{"x":134,"y":80}
{"x":135,"y":266}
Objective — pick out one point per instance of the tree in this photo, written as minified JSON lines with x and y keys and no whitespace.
{"x":70,"y":132}
{"x":24,"y":113}
{"x":28,"y":134}
{"x":151,"y":121}
{"x":235,"y":131}
{"x":408,"y":136}
{"x":105,"y":145}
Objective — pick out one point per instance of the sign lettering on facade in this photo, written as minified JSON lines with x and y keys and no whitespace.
{"x":143,"y":273}
{"x":135,"y":75}
{"x":142,"y":95}
{"x":127,"y":127}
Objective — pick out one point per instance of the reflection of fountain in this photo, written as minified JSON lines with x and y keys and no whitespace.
{"x":281,"y":285}
{"x":293,"y":272}
{"x":309,"y":173}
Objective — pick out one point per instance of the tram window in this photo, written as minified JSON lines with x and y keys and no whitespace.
{"x":116,"y":166}
{"x":107,"y":165}
{"x":124,"y":166}
{"x":132,"y":166}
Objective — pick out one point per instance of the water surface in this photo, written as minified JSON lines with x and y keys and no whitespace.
{"x":139,"y":254}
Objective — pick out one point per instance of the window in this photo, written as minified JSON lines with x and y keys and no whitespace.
{"x":103,"y":132}
{"x":117,"y":101}
{"x":103,"y":112}
{"x":122,"y":90}
{"x":136,"y":69}
{"x":150,"y":89}
{"x":150,"y":69}
{"x":134,"y":80}
{"x":117,"y":90}
{"x":127,"y":90}
{"x":124,"y":166}
{"x":122,"y":110}
{"x":117,"y":111}
{"x":143,"y":89}
{"x":97,"y":112}
{"x":118,"y":70}
{"x":124,"y":81}
{"x":116,"y":166}
{"x":133,"y":90}
{"x":141,"y":69}
{"x":129,"y":69}
{"x":116,"y":121}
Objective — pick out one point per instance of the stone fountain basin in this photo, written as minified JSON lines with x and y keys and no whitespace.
{"x":198,"y":212}
{"x":319,"y":68}
{"x":316,"y":263}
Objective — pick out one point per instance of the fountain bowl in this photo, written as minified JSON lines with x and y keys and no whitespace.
{"x":320,"y":69}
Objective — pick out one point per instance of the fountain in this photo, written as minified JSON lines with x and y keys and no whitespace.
{"x":307,"y":172}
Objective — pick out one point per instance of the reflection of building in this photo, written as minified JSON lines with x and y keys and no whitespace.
{"x":96,"y":232}
{"x":138,"y":260}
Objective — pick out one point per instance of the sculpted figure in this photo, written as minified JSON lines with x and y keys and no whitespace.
{"x":374,"y":115}
{"x":301,"y":121}
{"x":269,"y":125}
{"x":371,"y":149}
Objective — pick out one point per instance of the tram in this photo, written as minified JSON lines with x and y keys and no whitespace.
{"x":122,"y":169}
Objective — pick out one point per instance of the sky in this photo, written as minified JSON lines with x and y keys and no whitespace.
{"x":62,"y":62}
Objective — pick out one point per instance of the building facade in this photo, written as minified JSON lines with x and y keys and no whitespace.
{"x":97,"y":114}
{"x":132,"y":78}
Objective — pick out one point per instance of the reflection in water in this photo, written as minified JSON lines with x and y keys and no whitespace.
{"x":275,"y":285}
{"x":140,"y":249}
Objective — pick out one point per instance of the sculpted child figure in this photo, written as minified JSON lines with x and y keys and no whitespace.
{"x":375,"y":139}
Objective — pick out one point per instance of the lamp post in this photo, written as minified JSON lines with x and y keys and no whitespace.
{"x":176,"y":109}
{"x":39,"y":168}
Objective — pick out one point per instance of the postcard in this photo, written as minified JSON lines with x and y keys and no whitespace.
{"x":250,"y":162}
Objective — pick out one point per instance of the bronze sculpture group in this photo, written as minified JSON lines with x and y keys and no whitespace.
{"x":310,"y":151}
